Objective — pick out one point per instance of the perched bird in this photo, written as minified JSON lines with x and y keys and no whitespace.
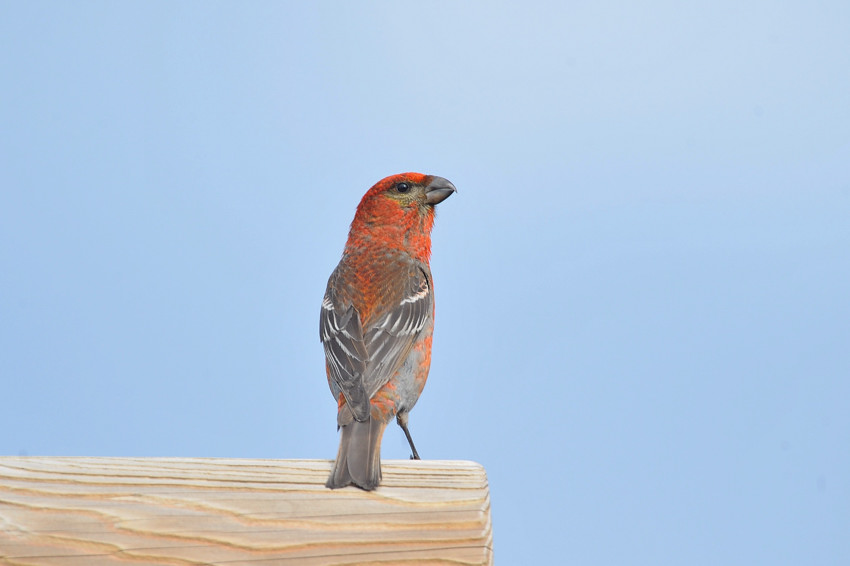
{"x":377,"y":319}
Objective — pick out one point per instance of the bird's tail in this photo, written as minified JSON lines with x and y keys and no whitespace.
{"x":358,"y":461}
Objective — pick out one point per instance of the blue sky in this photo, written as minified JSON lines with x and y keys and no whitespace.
{"x":643,"y":317}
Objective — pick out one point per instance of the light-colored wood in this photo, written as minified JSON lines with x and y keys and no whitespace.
{"x":186,"y":511}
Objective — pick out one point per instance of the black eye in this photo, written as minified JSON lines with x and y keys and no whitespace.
{"x":402,"y":187}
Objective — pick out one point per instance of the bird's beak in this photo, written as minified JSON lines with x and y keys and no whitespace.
{"x":439,"y":189}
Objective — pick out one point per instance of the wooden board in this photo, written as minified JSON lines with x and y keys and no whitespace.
{"x":187,"y":511}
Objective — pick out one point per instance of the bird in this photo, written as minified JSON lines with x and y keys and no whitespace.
{"x":377,"y":320}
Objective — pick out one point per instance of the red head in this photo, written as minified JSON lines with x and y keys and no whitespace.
{"x":398,"y":212}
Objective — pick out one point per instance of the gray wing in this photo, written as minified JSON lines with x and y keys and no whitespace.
{"x":391,"y":337}
{"x":345,"y":352}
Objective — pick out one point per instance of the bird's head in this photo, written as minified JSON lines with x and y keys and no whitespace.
{"x":398,"y":211}
{"x":407,"y":191}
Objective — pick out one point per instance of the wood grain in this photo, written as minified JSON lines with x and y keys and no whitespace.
{"x":187,"y":511}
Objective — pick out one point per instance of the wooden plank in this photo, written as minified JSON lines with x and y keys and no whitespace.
{"x":187,"y":511}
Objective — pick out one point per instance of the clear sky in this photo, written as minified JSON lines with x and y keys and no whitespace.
{"x":643,"y":283}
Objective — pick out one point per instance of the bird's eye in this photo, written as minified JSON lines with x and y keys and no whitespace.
{"x":402,"y":187}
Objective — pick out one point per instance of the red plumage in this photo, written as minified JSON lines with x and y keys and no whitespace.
{"x":377,"y":319}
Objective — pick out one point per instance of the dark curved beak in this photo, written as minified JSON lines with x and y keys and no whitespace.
{"x":439,"y":189}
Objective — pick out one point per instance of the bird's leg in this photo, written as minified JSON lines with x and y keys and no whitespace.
{"x":401,"y":418}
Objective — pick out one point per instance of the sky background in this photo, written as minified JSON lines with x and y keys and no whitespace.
{"x":642,"y":285}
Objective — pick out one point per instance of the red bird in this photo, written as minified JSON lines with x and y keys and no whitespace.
{"x":377,"y":320}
